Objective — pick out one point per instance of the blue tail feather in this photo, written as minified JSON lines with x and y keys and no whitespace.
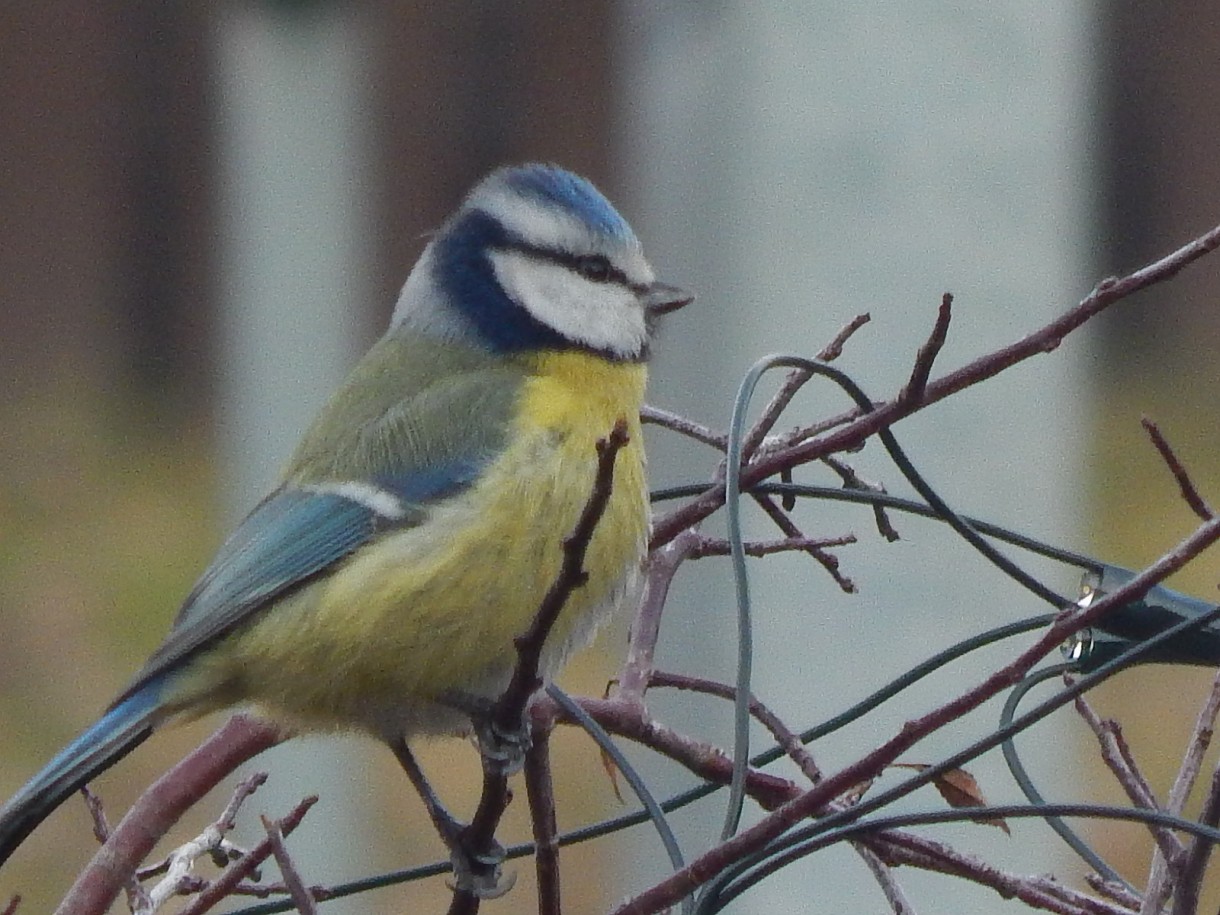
{"x":103,"y":744}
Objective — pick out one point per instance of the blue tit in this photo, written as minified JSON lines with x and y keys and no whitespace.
{"x":419,"y":523}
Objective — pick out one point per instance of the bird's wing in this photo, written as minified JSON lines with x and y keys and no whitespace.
{"x":307,"y":526}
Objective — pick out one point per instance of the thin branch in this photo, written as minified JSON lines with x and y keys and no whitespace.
{"x":860,"y":428}
{"x":212,"y":839}
{"x":510,"y":707}
{"x":783,"y":735}
{"x":541,"y":793}
{"x":834,"y":349}
{"x":927,"y":354}
{"x":796,"y":380}
{"x":629,"y":719}
{"x":1043,"y":892}
{"x":159,"y":807}
{"x":881,"y":872}
{"x":714,"y":546}
{"x":297,"y":890}
{"x":673,"y":888}
{"x":1186,"y":896}
{"x":1161,"y":880}
{"x":659,"y":571}
{"x":852,"y":480}
{"x":828,"y":561}
{"x":706,"y":435}
{"x":1114,"y":891}
{"x":137,"y":897}
{"x":1189,"y":492}
{"x":243,"y":867}
{"x":1116,"y":754}
{"x":478,"y":839}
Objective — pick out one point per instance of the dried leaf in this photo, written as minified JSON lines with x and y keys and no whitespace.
{"x":612,"y":771}
{"x":959,"y":789}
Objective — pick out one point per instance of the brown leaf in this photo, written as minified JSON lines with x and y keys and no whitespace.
{"x":959,"y":789}
{"x":612,"y":771}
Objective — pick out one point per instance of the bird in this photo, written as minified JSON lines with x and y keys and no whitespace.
{"x":417,"y":526}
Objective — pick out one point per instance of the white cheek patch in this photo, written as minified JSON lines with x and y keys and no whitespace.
{"x":604,"y":316}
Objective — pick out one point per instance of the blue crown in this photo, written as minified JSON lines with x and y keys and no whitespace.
{"x":558,"y":187}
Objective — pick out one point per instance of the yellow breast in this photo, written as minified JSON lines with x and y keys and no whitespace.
{"x":433,"y":610}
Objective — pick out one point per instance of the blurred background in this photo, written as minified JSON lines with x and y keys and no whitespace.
{"x":206,"y":210}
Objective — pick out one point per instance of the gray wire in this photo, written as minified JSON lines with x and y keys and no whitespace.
{"x":632,"y":775}
{"x":741,"y":583}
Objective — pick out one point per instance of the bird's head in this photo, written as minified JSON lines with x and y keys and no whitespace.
{"x":536,"y":258}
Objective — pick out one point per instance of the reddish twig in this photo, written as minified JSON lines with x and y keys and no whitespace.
{"x":137,"y":897}
{"x":1186,"y":896}
{"x":827,"y":561}
{"x":796,"y":380}
{"x":541,"y":793}
{"x":834,"y":349}
{"x":1116,"y":754}
{"x":507,"y":715}
{"x":659,"y":572}
{"x":759,"y":548}
{"x":159,"y":807}
{"x":668,"y":891}
{"x":683,"y":426}
{"x":243,"y":867}
{"x":1164,"y":868}
{"x":864,"y":425}
{"x":297,"y":890}
{"x":852,"y":480}
{"x":788,"y":741}
{"x":926,"y":357}
{"x":1189,"y":493}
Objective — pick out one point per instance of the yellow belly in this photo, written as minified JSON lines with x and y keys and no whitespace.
{"x":433,"y":610}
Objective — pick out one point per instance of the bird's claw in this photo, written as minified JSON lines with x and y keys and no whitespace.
{"x":504,"y":749}
{"x":481,"y":873}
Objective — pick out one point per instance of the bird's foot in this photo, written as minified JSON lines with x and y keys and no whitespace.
{"x":479,"y":872}
{"x":501,"y":747}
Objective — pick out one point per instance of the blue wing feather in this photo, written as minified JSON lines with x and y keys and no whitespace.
{"x":292,"y":536}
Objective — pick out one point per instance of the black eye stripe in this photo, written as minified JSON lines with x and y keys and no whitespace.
{"x":594,"y":267}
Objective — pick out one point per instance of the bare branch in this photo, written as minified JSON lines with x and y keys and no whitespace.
{"x":1186,"y":896}
{"x":292,"y":879}
{"x":1116,"y":754}
{"x":784,"y":736}
{"x":796,"y":380}
{"x":759,"y":548}
{"x":928,"y":352}
{"x":668,"y":891}
{"x":827,"y":561}
{"x":659,"y":571}
{"x":852,"y":480}
{"x":541,"y":793}
{"x":159,"y":807}
{"x":1164,"y":870}
{"x":858,"y":429}
{"x":508,"y":714}
{"x":1189,"y":492}
{"x":683,"y":426}
{"x":243,"y":867}
{"x":834,"y":349}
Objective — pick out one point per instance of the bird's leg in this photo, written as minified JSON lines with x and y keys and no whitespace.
{"x":505,"y":748}
{"x":479,"y":874}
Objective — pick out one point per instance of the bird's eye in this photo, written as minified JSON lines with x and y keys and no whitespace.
{"x":595,"y":267}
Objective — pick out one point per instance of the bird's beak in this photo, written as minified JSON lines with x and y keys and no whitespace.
{"x":661,"y":298}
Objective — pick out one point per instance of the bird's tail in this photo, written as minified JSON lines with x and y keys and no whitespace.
{"x":107,"y":741}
